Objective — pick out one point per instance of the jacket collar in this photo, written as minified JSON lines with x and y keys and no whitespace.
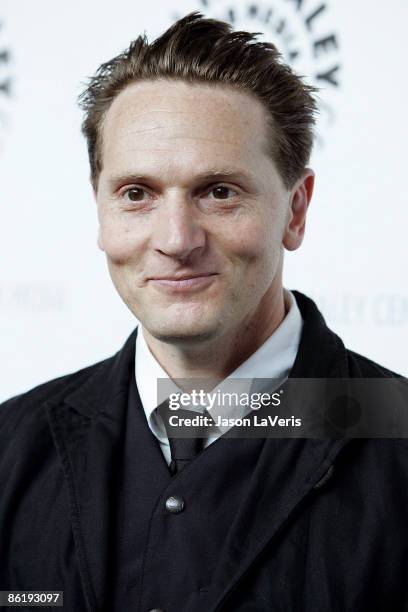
{"x":107,"y":384}
{"x":87,"y":416}
{"x":321,"y":353}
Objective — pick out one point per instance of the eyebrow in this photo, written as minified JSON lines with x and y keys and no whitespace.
{"x":207,"y":175}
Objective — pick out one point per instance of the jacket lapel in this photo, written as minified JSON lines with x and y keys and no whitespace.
{"x":87,"y":425}
{"x":288,"y":469}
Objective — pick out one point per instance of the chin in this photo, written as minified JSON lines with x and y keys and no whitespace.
{"x":182,"y":332}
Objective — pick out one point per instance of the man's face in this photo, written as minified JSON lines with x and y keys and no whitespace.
{"x":187,"y":188}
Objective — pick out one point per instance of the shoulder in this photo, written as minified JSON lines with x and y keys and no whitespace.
{"x":388,"y":454}
{"x":28,"y":405}
{"x":27,"y":410}
{"x":363,"y":367}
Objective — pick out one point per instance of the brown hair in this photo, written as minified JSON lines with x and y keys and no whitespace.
{"x":207,"y":50}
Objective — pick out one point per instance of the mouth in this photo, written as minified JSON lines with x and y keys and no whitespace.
{"x":183,"y":283}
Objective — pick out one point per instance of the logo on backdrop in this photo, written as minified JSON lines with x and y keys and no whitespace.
{"x":303,"y":32}
{"x":5,"y":84}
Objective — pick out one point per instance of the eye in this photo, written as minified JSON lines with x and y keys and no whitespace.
{"x":135,"y":194}
{"x":222,"y":192}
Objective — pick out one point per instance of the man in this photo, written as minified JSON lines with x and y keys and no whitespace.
{"x":198,"y":146}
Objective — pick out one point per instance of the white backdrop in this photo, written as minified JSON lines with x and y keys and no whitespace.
{"x":58,"y":309}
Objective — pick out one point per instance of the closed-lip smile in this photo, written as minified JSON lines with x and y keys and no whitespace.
{"x":183,"y":276}
{"x":184,"y":282}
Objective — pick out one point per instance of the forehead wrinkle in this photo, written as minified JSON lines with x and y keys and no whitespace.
{"x":159,"y":127}
{"x":170,"y":137}
{"x":169,"y":133}
{"x":196,"y":138}
{"x":146,"y":130}
{"x":131,"y":111}
{"x":127,"y":112}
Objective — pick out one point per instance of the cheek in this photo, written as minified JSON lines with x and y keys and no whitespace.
{"x":257,"y":249}
{"x":120,"y":242}
{"x":257,"y":240}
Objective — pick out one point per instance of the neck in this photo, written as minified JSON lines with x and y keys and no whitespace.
{"x":218,"y":358}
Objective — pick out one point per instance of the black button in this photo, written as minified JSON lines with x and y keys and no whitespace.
{"x":174,"y":504}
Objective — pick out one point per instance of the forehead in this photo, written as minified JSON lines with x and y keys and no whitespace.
{"x":168,"y":120}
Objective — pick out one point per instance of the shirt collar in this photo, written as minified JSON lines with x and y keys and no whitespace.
{"x":273,"y":359}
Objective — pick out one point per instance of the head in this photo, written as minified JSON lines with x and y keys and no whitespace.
{"x":198,"y":146}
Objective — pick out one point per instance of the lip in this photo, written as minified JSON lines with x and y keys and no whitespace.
{"x":185,"y":283}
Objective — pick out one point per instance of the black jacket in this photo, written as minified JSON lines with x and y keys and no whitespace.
{"x":318,"y":525}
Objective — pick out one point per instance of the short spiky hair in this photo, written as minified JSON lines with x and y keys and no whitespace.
{"x":196,"y":49}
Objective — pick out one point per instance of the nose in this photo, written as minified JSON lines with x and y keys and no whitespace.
{"x":177,"y":231}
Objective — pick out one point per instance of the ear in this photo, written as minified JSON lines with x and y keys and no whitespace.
{"x":301,"y":194}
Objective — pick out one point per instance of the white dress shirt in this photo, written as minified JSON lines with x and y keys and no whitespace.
{"x":272,"y":360}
